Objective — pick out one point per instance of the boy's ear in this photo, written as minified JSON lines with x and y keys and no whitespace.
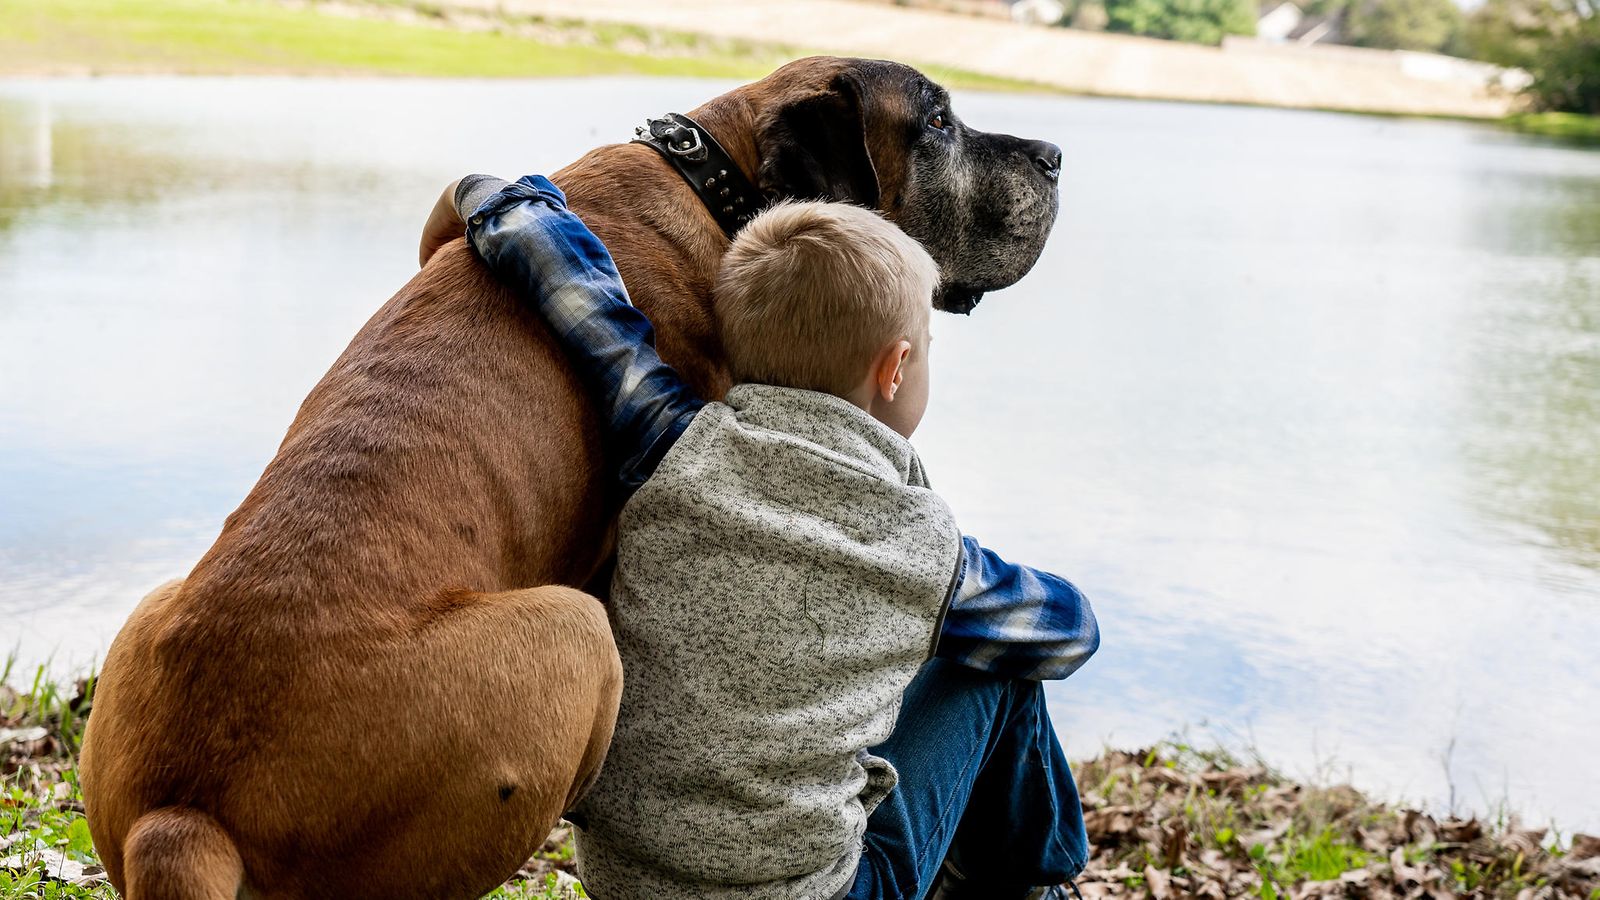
{"x":889,"y":371}
{"x":815,"y":148}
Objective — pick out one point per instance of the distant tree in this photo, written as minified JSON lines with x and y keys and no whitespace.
{"x":1556,"y":41}
{"x":1087,"y":15}
{"x":1427,"y":25}
{"x":1196,"y":21}
{"x":1509,"y":32}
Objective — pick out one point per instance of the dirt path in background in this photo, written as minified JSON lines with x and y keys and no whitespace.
{"x":1078,"y":61}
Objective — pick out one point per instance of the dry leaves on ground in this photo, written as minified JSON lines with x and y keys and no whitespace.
{"x":1170,"y":822}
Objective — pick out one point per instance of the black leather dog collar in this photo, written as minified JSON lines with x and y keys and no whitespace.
{"x":708,"y":168}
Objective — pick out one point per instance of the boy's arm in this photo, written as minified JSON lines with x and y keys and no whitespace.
{"x":1015,"y":621}
{"x":525,"y":233}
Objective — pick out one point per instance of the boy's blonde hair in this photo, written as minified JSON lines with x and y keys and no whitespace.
{"x":810,"y":292}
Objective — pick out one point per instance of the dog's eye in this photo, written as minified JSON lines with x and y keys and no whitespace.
{"x":936,"y":121}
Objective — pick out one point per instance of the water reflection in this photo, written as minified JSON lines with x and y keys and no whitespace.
{"x":1536,"y":437}
{"x":73,"y":167}
{"x":27,"y":156}
{"x":1307,"y":403}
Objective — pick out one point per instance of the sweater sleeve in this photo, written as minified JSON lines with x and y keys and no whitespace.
{"x":1016,"y":621}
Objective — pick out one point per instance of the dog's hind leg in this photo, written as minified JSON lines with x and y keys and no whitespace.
{"x":430,"y":759}
{"x":176,"y":853}
{"x":478,"y":729}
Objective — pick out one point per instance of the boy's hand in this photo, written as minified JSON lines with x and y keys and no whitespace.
{"x":443,"y":226}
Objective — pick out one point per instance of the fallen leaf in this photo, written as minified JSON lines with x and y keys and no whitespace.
{"x":1528,"y":842}
{"x":1266,"y":836}
{"x":1404,"y":874}
{"x":1460,"y":830}
{"x":1174,"y":844}
{"x":1584,"y":846}
{"x":1170,"y":777}
{"x":1157,"y":881}
{"x":22,"y":735}
{"x":1419,"y":827}
{"x":1587,"y":868}
{"x":1233,"y":781}
{"x":1374,"y":840}
{"x":57,"y":866}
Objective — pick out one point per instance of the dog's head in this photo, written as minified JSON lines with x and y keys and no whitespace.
{"x":881,"y":134}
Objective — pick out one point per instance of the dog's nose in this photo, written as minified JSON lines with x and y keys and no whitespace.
{"x":1046,"y":158}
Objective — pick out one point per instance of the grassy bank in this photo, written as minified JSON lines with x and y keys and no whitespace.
{"x":1569,"y":126}
{"x":259,"y":37}
{"x":362,"y":37}
{"x":1165,"y":822}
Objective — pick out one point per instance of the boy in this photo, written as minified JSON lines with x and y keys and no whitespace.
{"x":829,"y":691}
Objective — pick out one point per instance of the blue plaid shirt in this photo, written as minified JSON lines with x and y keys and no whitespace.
{"x":1006,"y":619}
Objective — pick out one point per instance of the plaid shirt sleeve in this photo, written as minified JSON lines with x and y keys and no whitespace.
{"x":1015,"y":621}
{"x":530,"y":240}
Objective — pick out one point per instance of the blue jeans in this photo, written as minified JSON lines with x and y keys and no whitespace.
{"x":982,"y":780}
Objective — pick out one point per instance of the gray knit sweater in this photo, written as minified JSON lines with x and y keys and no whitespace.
{"x":780,"y":580}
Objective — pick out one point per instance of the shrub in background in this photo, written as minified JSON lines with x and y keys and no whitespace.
{"x":1556,"y":41}
{"x":1087,"y":15}
{"x":1430,"y":26}
{"x":1196,"y":21}
{"x":1427,"y":25}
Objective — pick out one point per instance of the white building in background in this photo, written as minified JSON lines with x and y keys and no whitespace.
{"x":1286,"y":22}
{"x":1038,"y":12}
{"x":1278,"y":22}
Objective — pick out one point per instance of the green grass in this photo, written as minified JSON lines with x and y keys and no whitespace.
{"x":546,"y":888}
{"x":253,"y":36}
{"x":1570,"y":126}
{"x":1298,"y":858}
{"x":41,"y":808}
{"x":45,"y":825}
{"x":381,"y":37}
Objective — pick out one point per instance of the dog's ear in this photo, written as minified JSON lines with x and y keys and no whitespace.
{"x":815,"y":148}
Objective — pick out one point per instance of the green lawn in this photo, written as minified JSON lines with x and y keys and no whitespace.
{"x":255,"y":36}
{"x":1572,"y":126}
{"x":364,"y":37}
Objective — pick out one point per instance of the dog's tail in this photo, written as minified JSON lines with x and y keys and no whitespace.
{"x":178,"y":853}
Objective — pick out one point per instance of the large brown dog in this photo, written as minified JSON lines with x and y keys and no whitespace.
{"x":366,"y":688}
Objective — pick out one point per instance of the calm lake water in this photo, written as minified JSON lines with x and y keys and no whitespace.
{"x":1309,"y":404}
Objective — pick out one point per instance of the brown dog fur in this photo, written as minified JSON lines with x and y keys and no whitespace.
{"x":362,"y":689}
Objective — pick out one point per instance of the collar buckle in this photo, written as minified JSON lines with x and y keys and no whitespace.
{"x":692,"y":149}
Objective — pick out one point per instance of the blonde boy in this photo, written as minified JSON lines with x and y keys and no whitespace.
{"x":830,"y":691}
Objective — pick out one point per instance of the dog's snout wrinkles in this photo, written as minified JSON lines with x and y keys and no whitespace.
{"x":1046,"y":158}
